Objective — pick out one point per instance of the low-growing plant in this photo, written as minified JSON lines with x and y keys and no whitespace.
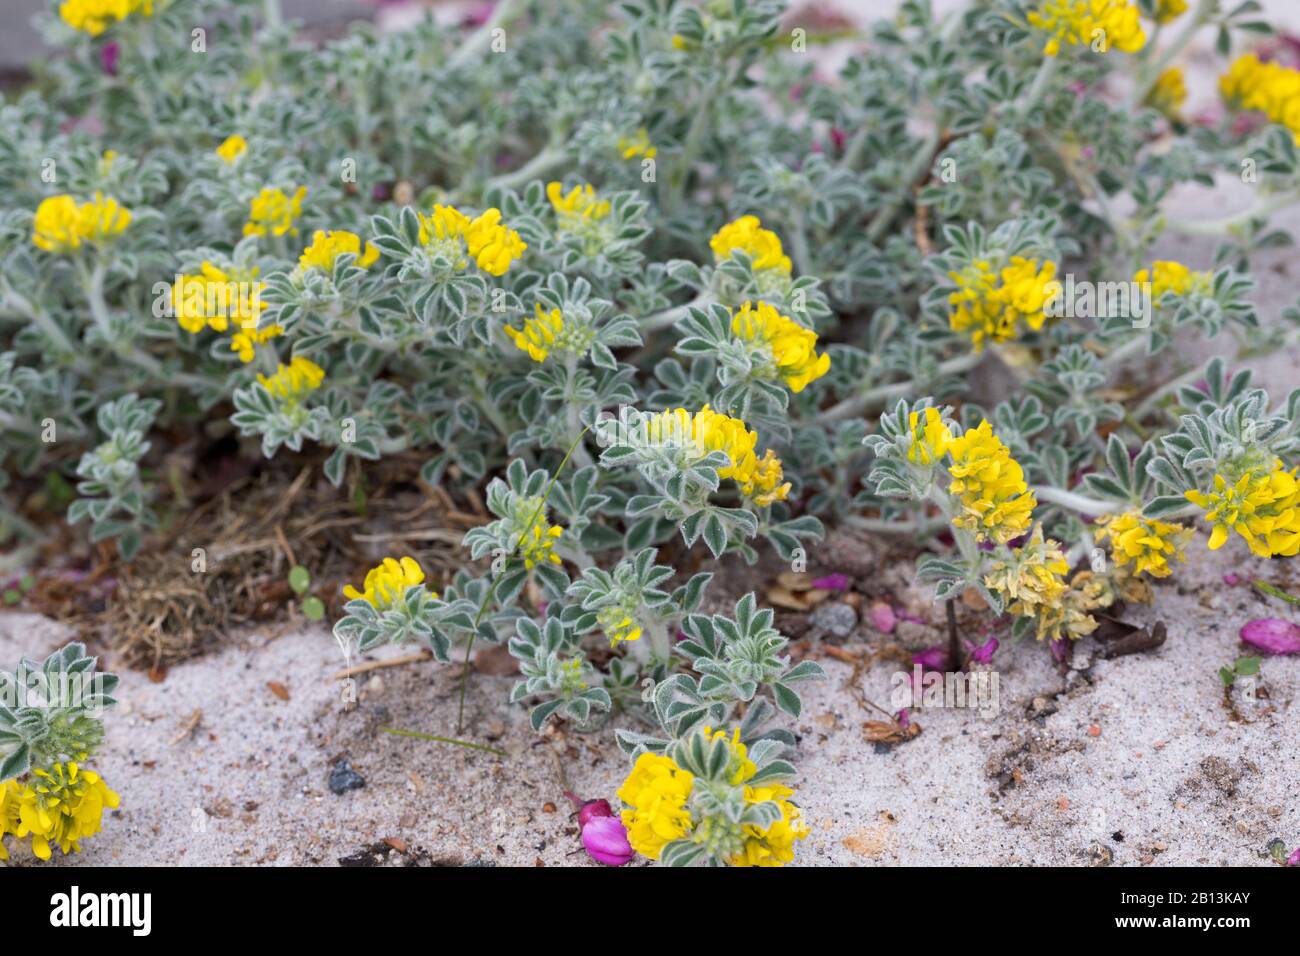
{"x":663,"y":286}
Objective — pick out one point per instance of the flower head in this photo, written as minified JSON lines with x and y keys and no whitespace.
{"x":771,"y":845}
{"x":292,"y":382}
{"x":605,"y":840}
{"x":326,"y":246}
{"x":996,"y":502}
{"x":232,"y":147}
{"x":787,"y":349}
{"x":96,"y":16}
{"x":930,"y":440}
{"x":630,"y":147}
{"x":747,"y":235}
{"x":539,"y":334}
{"x":62,"y":805}
{"x":1033,"y":577}
{"x":484,"y":239}
{"x":619,"y":624}
{"x":271,"y":211}
{"x":654,"y":798}
{"x":579,"y":205}
{"x":1174,"y":277}
{"x":1269,"y":88}
{"x":1147,"y":544}
{"x":387,"y":582}
{"x":1262,"y":505}
{"x":989,"y":306}
{"x":1169,"y":10}
{"x":1099,"y":24}
{"x":1169,"y":92}
{"x":62,"y":224}
{"x":760,"y":479}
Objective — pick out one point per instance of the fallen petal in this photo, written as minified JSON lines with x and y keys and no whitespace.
{"x":1272,"y":636}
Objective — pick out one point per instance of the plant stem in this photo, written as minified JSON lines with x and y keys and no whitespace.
{"x":1150,"y":73}
{"x":1036,"y":89}
{"x":1075,"y":502}
{"x":670,"y":316}
{"x":443,"y":740}
{"x":474,"y":44}
{"x":551,"y":157}
{"x":858,"y":404}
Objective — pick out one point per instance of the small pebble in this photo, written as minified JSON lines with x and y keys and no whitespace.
{"x":343,"y":778}
{"x":1094,"y":731}
{"x":836,"y":617}
{"x":548,"y":807}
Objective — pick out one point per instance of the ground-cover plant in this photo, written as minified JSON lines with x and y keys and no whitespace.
{"x":659,"y":285}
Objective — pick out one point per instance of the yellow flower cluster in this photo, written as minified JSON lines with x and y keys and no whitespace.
{"x":996,"y":503}
{"x":232,"y":147}
{"x":387,"y":582}
{"x":1169,"y":92}
{"x":96,"y":16}
{"x":786,"y":344}
{"x":655,"y":796}
{"x":488,"y":242}
{"x":1099,"y":24}
{"x":1271,"y":88}
{"x":760,"y":479}
{"x":537,"y":543}
{"x":61,"y":224}
{"x":326,"y":246}
{"x":1263,"y":506}
{"x":61,"y":806}
{"x":1169,"y":10}
{"x":639,"y":145}
{"x":538,"y":334}
{"x":1033,"y":578}
{"x":271,"y":211}
{"x":989,"y":305}
{"x":1166,"y":276}
{"x":292,"y":382}
{"x":747,"y":235}
{"x":1147,"y":544}
{"x":581,"y":204}
{"x":223,"y":301}
{"x":618,"y":625}
{"x":930,"y":440}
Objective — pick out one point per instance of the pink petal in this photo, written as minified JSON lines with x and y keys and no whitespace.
{"x":831,"y":582}
{"x":1272,"y":636}
{"x":883,"y":618}
{"x":606,"y":841}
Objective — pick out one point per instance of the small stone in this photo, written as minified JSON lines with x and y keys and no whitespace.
{"x":1062,"y":803}
{"x":548,"y":807}
{"x":1100,"y":855}
{"x":835,"y":617}
{"x":1094,"y":731}
{"x":343,"y":778}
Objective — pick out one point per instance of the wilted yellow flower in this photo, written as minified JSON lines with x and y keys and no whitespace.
{"x":1147,"y":544}
{"x":1172,"y":277}
{"x":786,"y":345}
{"x":1097,"y":24}
{"x":274,"y":212}
{"x":929,"y":442}
{"x":326,"y":246}
{"x":96,"y":16}
{"x":61,"y":806}
{"x":747,"y":235}
{"x":639,"y":145}
{"x":232,"y":147}
{"x":654,"y":797}
{"x":1263,"y":506}
{"x":581,"y":203}
{"x":539,"y":333}
{"x":292,"y":382}
{"x":1270,"y":88}
{"x":1032,"y":578}
{"x":995,"y":500}
{"x":772,"y":845}
{"x":387,"y":582}
{"x":61,"y":224}
{"x":1169,"y":92}
{"x":491,"y":245}
{"x":988,"y":306}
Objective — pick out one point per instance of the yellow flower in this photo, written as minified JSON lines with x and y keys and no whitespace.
{"x":538,"y":334}
{"x":1098,"y":24}
{"x":760,"y":480}
{"x":215,"y":298}
{"x":995,"y":500}
{"x":1169,"y":10}
{"x":1145,"y":543}
{"x":387,"y":582}
{"x":1169,"y":92}
{"x":746,"y":235}
{"x":1262,"y":507}
{"x":788,"y":346}
{"x":274,"y":212}
{"x":740,"y":768}
{"x":1069,"y":617}
{"x":96,"y":16}
{"x":292,"y":382}
{"x":537,"y":543}
{"x":62,"y":805}
{"x":931,"y":441}
{"x":654,"y":797}
{"x":1032,"y":578}
{"x":638,"y":145}
{"x":766,"y":485}
{"x":62,"y":225}
{"x":618,"y":625}
{"x":580,"y":204}
{"x":232,"y":147}
{"x":772,"y":845}
{"x":989,"y":306}
{"x":1270,"y":88}
{"x":9,"y":799}
{"x":244,"y":342}
{"x":326,"y":246}
{"x":491,"y":245}
{"x":1172,"y":277}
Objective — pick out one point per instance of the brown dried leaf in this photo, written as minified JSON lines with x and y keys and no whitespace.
{"x":278,"y":689}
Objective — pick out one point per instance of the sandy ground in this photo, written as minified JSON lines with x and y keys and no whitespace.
{"x":1134,"y":761}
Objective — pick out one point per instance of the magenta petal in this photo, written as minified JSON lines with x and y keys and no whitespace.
{"x":1060,"y":648}
{"x":904,"y":720}
{"x":593,"y":809}
{"x":108,"y":55}
{"x":1272,"y":636}
{"x":832,"y":582}
{"x":1231,"y":580}
{"x":983,"y":653}
{"x":1294,"y":858}
{"x":883,"y":618}
{"x":933,"y":658}
{"x":606,"y":841}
